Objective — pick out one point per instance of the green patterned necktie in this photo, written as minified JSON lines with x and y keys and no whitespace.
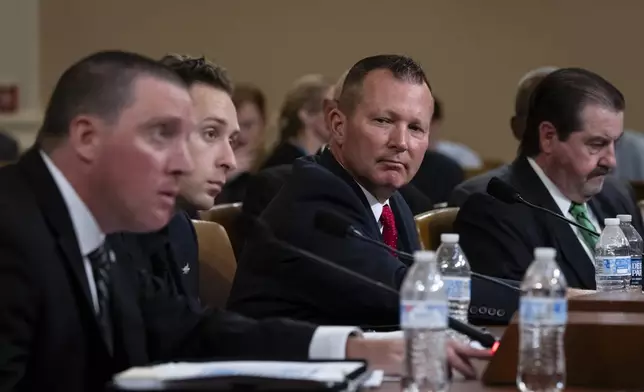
{"x":580,"y":213}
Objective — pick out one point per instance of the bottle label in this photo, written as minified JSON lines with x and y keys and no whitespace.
{"x":614,"y":266}
{"x":458,"y":289}
{"x":423,"y":314}
{"x":636,"y":271}
{"x":543,"y":311}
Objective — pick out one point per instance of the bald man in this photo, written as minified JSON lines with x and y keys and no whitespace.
{"x":525,"y":88}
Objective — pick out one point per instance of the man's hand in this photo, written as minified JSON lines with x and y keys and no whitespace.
{"x":459,"y":355}
{"x":381,"y":354}
{"x":389,"y":355}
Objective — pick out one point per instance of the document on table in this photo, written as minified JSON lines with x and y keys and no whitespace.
{"x":157,"y":376}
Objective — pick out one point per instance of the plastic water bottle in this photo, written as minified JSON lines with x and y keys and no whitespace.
{"x":637,"y":246}
{"x":423,"y":318}
{"x":612,"y":258}
{"x":456,"y":274}
{"x":543,"y":314}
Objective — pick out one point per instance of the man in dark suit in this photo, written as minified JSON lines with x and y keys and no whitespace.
{"x":525,"y":88}
{"x":73,"y":312}
{"x":573,"y":121}
{"x":380,"y":131}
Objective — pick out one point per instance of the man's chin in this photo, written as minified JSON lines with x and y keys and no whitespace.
{"x":594,"y":186}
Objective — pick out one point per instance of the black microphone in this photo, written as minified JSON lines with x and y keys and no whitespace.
{"x":486,"y":339}
{"x":335,"y":224}
{"x":506,"y":193}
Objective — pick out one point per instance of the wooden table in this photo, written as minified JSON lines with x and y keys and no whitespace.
{"x":474,"y":385}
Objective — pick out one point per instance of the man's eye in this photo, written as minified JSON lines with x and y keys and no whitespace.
{"x":210,"y":134}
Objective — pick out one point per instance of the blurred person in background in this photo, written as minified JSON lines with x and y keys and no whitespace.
{"x":525,"y":87}
{"x":250,"y":103}
{"x":462,"y":154}
{"x":9,"y":148}
{"x":301,"y":126}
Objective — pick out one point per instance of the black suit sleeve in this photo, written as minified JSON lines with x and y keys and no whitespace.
{"x":175,"y":330}
{"x":492,"y":237}
{"x":18,"y":310}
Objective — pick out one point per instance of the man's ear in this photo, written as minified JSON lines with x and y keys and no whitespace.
{"x":336,"y":121}
{"x":85,"y":136}
{"x":547,"y":136}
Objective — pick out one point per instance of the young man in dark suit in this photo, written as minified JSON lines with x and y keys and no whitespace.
{"x":108,"y":158}
{"x":568,"y":148}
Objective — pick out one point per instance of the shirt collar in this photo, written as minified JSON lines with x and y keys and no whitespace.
{"x":560,"y":199}
{"x":376,"y":206}
{"x":88,"y":233}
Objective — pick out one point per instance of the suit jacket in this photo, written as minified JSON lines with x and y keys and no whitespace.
{"x":234,"y":190}
{"x":476,"y":184}
{"x":437,"y":176}
{"x":272,"y":281}
{"x":170,"y":254}
{"x":283,"y":154}
{"x":49,"y":334}
{"x":500,"y":238}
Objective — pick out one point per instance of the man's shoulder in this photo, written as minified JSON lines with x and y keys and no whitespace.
{"x":477,"y":184}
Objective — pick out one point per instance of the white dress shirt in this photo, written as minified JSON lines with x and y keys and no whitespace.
{"x":564,"y":205}
{"x":376,"y":206}
{"x":328,"y":342}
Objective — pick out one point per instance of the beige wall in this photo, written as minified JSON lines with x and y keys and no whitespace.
{"x":474,"y":51}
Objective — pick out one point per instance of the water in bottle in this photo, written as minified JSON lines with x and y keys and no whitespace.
{"x":455,"y":271}
{"x":612,"y":258}
{"x":637,"y":246}
{"x":543,"y":312}
{"x":423,"y":319}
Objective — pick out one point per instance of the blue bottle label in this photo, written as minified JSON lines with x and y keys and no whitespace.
{"x":543,"y":311}
{"x":458,"y":289}
{"x":636,"y":271}
{"x":423,"y":314}
{"x":610,"y":266}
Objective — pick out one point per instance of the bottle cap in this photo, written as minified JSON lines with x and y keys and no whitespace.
{"x":424,"y":255}
{"x":611,"y":222}
{"x":624,"y":218}
{"x":449,"y":238}
{"x":544,"y":253}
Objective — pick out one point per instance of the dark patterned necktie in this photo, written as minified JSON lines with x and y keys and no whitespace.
{"x":389,"y":232}
{"x":101,"y":260}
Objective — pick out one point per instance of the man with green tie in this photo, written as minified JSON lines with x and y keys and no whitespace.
{"x":574,"y":119}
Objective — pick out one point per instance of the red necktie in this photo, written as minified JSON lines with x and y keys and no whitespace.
{"x":389,"y":232}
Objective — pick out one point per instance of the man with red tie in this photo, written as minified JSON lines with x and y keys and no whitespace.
{"x":379,"y":133}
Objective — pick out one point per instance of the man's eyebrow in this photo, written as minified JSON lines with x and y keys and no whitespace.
{"x":160,"y":120}
{"x":218,"y":120}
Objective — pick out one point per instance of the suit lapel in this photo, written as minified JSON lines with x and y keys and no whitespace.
{"x":406,"y":233}
{"x":568,"y":247}
{"x":327,"y":160}
{"x":129,"y":340}
{"x":58,"y":219}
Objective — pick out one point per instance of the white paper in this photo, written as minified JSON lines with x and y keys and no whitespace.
{"x":153,"y":377}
